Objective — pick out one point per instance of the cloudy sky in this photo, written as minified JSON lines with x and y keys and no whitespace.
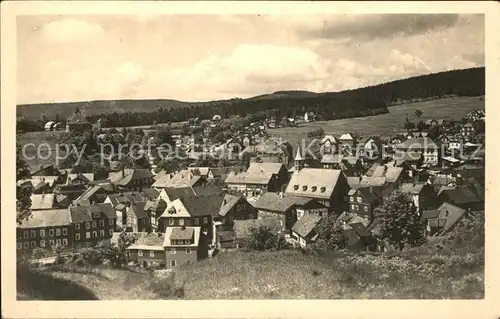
{"x":194,"y":58}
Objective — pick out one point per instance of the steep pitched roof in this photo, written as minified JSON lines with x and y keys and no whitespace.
{"x":360,"y":229}
{"x":304,"y":226}
{"x":331,"y":158}
{"x":451,"y":213}
{"x":47,"y":218}
{"x":83,"y":213}
{"x":125,"y":176}
{"x":389,"y":172}
{"x":179,"y":234}
{"x":265,"y":167}
{"x":203,"y":205}
{"x":346,"y":137}
{"x":183,"y":178}
{"x":314,"y":182}
{"x":86,"y":177}
{"x":228,"y":202}
{"x":137,"y":209}
{"x":412,"y":188}
{"x":42,"y":201}
{"x":461,"y":195}
{"x":145,"y":241}
{"x":248,"y":178}
{"x":367,"y":194}
{"x":273,"y":202}
{"x":207,"y":190}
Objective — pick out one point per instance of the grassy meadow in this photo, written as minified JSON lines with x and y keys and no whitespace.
{"x":449,"y":108}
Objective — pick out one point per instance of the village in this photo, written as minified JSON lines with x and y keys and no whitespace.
{"x":227,"y":190}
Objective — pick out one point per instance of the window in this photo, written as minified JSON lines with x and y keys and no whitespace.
{"x":151,"y":253}
{"x":42,"y":232}
{"x":51,"y":243}
{"x":181,"y":222}
{"x":101,"y":233}
{"x":94,"y":224}
{"x":352,"y":199}
{"x":51,"y":232}
{"x":58,"y":232}
{"x":188,"y":250}
{"x":196,"y":221}
{"x":64,"y":231}
{"x":353,"y":206}
{"x":110,"y":232}
{"x":173,"y":251}
{"x":170,"y":221}
{"x":42,"y":243}
{"x":323,"y":189}
{"x":366,"y":208}
{"x":360,"y":199}
{"x":33,"y":233}
{"x":19,"y":245}
{"x":25,"y":234}
{"x":33,"y":244}
{"x":296,"y":187}
{"x":96,"y":215}
{"x":87,"y":225}
{"x":77,"y":236}
{"x":111,"y":221}
{"x":304,"y":188}
{"x":94,"y":234}
{"x":65,"y":241}
{"x":101,"y":223}
{"x":77,"y":226}
{"x":139,"y":253}
{"x":173,"y":263}
{"x":314,"y":188}
{"x":26,"y":245}
{"x":205,"y":220}
{"x":58,"y":242}
{"x":87,"y":235}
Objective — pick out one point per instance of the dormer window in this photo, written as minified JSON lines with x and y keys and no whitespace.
{"x":295,"y":187}
{"x":304,"y":188}
{"x":96,"y":214}
{"x":323,"y":189}
{"x":314,"y":188}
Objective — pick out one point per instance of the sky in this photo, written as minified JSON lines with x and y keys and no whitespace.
{"x":209,"y":57}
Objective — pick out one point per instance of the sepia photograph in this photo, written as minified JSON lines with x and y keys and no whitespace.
{"x":249,"y":156}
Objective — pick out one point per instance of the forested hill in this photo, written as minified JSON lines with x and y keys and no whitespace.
{"x":331,"y":105}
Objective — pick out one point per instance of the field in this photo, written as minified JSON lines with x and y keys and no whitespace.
{"x":450,"y":108}
{"x":423,"y":272}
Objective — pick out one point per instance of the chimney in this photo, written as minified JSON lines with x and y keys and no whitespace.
{"x":282,"y":195}
{"x":183,"y":227}
{"x":123,"y":172}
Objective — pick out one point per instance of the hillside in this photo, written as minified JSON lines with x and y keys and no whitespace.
{"x":328,"y":106}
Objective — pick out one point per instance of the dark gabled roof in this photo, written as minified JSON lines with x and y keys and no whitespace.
{"x":158,"y":205}
{"x":429,"y":214}
{"x":228,"y":202}
{"x":360,"y":229}
{"x":461,"y":195}
{"x":83,"y":213}
{"x":207,"y":190}
{"x":304,"y":226}
{"x":451,"y":213}
{"x":203,"y":205}
{"x":137,"y":209}
{"x":151,"y":193}
{"x":265,"y":167}
{"x":182,"y":234}
{"x":367,"y":194}
{"x":273,"y":202}
{"x":91,"y":191}
{"x":125,"y":176}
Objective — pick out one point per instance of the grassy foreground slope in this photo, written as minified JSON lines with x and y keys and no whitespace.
{"x":428,"y":272}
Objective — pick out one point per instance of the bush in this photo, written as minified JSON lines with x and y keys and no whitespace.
{"x":166,"y":287}
{"x":263,"y":238}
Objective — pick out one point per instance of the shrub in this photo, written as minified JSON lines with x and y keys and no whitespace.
{"x":263,"y":238}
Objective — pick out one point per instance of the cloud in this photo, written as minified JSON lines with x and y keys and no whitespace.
{"x":70,"y":29}
{"x":371,"y":27}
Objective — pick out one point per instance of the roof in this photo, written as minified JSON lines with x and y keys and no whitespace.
{"x":271,"y":201}
{"x":90,"y":192}
{"x":360,"y":229}
{"x":265,"y":167}
{"x":198,"y":205}
{"x":88,"y":177}
{"x":248,"y":178}
{"x":412,"y":188}
{"x":451,"y":213}
{"x":331,"y":158}
{"x":372,"y":181}
{"x":429,"y":214}
{"x":314,"y":182}
{"x":83,"y":213}
{"x":42,"y":201}
{"x":228,"y":202}
{"x":417,"y":143}
{"x":346,"y":137}
{"x":125,"y":176}
{"x":461,"y":195}
{"x":155,"y":205}
{"x":366,"y":193}
{"x":183,"y":178}
{"x":145,"y":241}
{"x":175,"y":193}
{"x":329,"y":138}
{"x":36,"y":180}
{"x":177,"y":233}
{"x":199,"y":170}
{"x":47,"y":218}
{"x":389,"y":172}
{"x":304,"y":226}
{"x":242,"y":228}
{"x":137,"y":208}
{"x":372,"y":169}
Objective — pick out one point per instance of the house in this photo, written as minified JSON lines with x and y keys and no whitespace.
{"x":121,"y":202}
{"x":49,"y":126}
{"x":81,"y":178}
{"x":309,"y":117}
{"x":423,"y":195}
{"x":243,"y":228}
{"x":92,"y":223}
{"x":171,"y":194}
{"x":358,"y":238}
{"x":137,"y":219}
{"x":287,"y":208}
{"x":347,"y":142}
{"x":44,"y":202}
{"x":147,"y":250}
{"x":468,"y":132}
{"x":423,"y":145}
{"x":249,"y":184}
{"x":77,"y":123}
{"x":44,"y":170}
{"x":362,"y":202}
{"x":95,"y":194}
{"x":154,"y":209}
{"x":370,"y":148}
{"x":202,"y":171}
{"x":41,"y":184}
{"x":45,"y":229}
{"x":180,"y":179}
{"x":442,"y":220}
{"x":329,"y":144}
{"x":278,"y":171}
{"x":304,"y":229}
{"x":328,"y":186}
{"x":464,"y":196}
{"x":184,"y":245}
{"x":272,"y":149}
{"x":72,"y":191}
{"x":132,"y":179}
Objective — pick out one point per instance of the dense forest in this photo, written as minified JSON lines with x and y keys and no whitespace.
{"x":365,"y":101}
